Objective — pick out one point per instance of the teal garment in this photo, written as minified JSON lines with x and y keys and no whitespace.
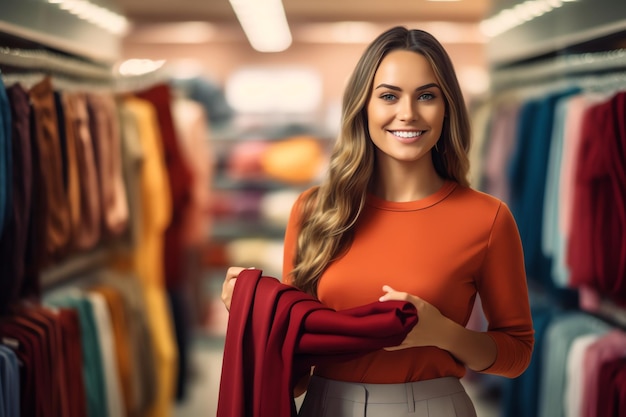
{"x":552,"y":240}
{"x":558,"y":337}
{"x":527,"y":178}
{"x":93,"y":373}
{"x":5,"y":158}
{"x":9,"y":383}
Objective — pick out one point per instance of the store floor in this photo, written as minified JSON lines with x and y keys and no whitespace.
{"x":206,"y":363}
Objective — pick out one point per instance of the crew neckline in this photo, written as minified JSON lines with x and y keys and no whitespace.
{"x":428,"y":201}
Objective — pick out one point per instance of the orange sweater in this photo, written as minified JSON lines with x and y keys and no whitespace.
{"x":445,"y":248}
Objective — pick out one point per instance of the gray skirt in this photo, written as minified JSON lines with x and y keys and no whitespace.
{"x":441,"y":397}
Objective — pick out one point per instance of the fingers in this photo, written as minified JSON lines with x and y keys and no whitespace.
{"x":228,"y":286}
{"x":391,"y":294}
{"x":387,"y":288}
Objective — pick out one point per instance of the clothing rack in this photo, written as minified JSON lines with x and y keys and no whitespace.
{"x":564,"y":67}
{"x":70,"y":73}
{"x":45,"y":60}
{"x":29,"y":66}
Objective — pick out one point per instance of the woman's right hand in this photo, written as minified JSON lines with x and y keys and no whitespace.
{"x":229,"y":284}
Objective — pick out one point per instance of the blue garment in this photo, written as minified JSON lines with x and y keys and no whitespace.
{"x":9,"y":383}
{"x":520,"y":396}
{"x":4,"y":382}
{"x":6,"y":176}
{"x":527,"y":177}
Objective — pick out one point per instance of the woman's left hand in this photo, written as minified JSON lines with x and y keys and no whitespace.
{"x":228,"y":286}
{"x":431,"y":326}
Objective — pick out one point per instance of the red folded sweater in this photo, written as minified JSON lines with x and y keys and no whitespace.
{"x":277,"y":332}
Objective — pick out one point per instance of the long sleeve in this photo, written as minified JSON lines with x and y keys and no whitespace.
{"x":502,"y":282}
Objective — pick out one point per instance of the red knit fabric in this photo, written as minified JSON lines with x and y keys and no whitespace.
{"x":277,"y":332}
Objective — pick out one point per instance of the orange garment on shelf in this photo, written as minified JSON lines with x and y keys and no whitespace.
{"x":295,"y":160}
{"x":444,"y":248}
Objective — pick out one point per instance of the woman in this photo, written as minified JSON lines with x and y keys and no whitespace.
{"x":395,"y":219}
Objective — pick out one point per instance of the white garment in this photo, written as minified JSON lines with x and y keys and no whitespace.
{"x":573,"y":393}
{"x":108,"y":353}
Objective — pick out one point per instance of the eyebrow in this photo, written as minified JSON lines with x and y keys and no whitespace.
{"x":423,"y":87}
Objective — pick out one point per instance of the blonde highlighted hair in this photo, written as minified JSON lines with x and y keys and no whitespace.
{"x":330,"y":212}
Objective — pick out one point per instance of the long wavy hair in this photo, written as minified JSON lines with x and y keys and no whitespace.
{"x":331,"y":210}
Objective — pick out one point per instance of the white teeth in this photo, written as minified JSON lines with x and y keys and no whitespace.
{"x":405,"y":134}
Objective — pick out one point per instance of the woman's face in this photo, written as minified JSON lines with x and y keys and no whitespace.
{"x":406,"y":108}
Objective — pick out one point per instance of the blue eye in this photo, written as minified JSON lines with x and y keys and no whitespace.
{"x":426,"y":96}
{"x":387,"y":97}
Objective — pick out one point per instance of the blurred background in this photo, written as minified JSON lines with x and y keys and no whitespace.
{"x":147,"y":146}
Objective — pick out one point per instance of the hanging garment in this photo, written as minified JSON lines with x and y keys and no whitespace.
{"x":145,"y":261}
{"x":612,"y":398}
{"x":105,"y":132}
{"x":49,"y":172}
{"x":13,"y":244}
{"x":6,"y":173}
{"x":87,"y":233}
{"x":9,"y":383}
{"x":132,"y":163}
{"x":71,"y":349}
{"x":143,"y":371}
{"x":277,"y":332}
{"x":180,"y":181}
{"x":597,"y":248}
{"x":92,"y":364}
{"x":71,"y":174}
{"x":527,"y":175}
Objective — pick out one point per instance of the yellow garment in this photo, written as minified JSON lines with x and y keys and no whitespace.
{"x":146,"y":260}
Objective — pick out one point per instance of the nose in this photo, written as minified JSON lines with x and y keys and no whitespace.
{"x":407,"y":111}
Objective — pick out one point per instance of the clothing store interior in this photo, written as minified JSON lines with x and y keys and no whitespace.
{"x":113,"y":258}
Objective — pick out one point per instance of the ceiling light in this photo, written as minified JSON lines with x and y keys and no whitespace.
{"x":100,"y":16}
{"x":264,"y":23}
{"x":519,"y":14}
{"x":134,"y":67}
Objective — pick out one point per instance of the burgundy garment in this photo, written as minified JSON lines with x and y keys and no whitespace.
{"x":28,"y":343}
{"x":612,"y":393}
{"x":616,"y":151}
{"x":277,"y":332}
{"x":597,"y":248}
{"x":14,"y":238}
{"x":53,"y":368}
{"x":71,"y":350}
{"x":180,"y":181}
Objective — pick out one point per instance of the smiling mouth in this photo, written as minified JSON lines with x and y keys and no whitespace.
{"x":407,"y":134}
